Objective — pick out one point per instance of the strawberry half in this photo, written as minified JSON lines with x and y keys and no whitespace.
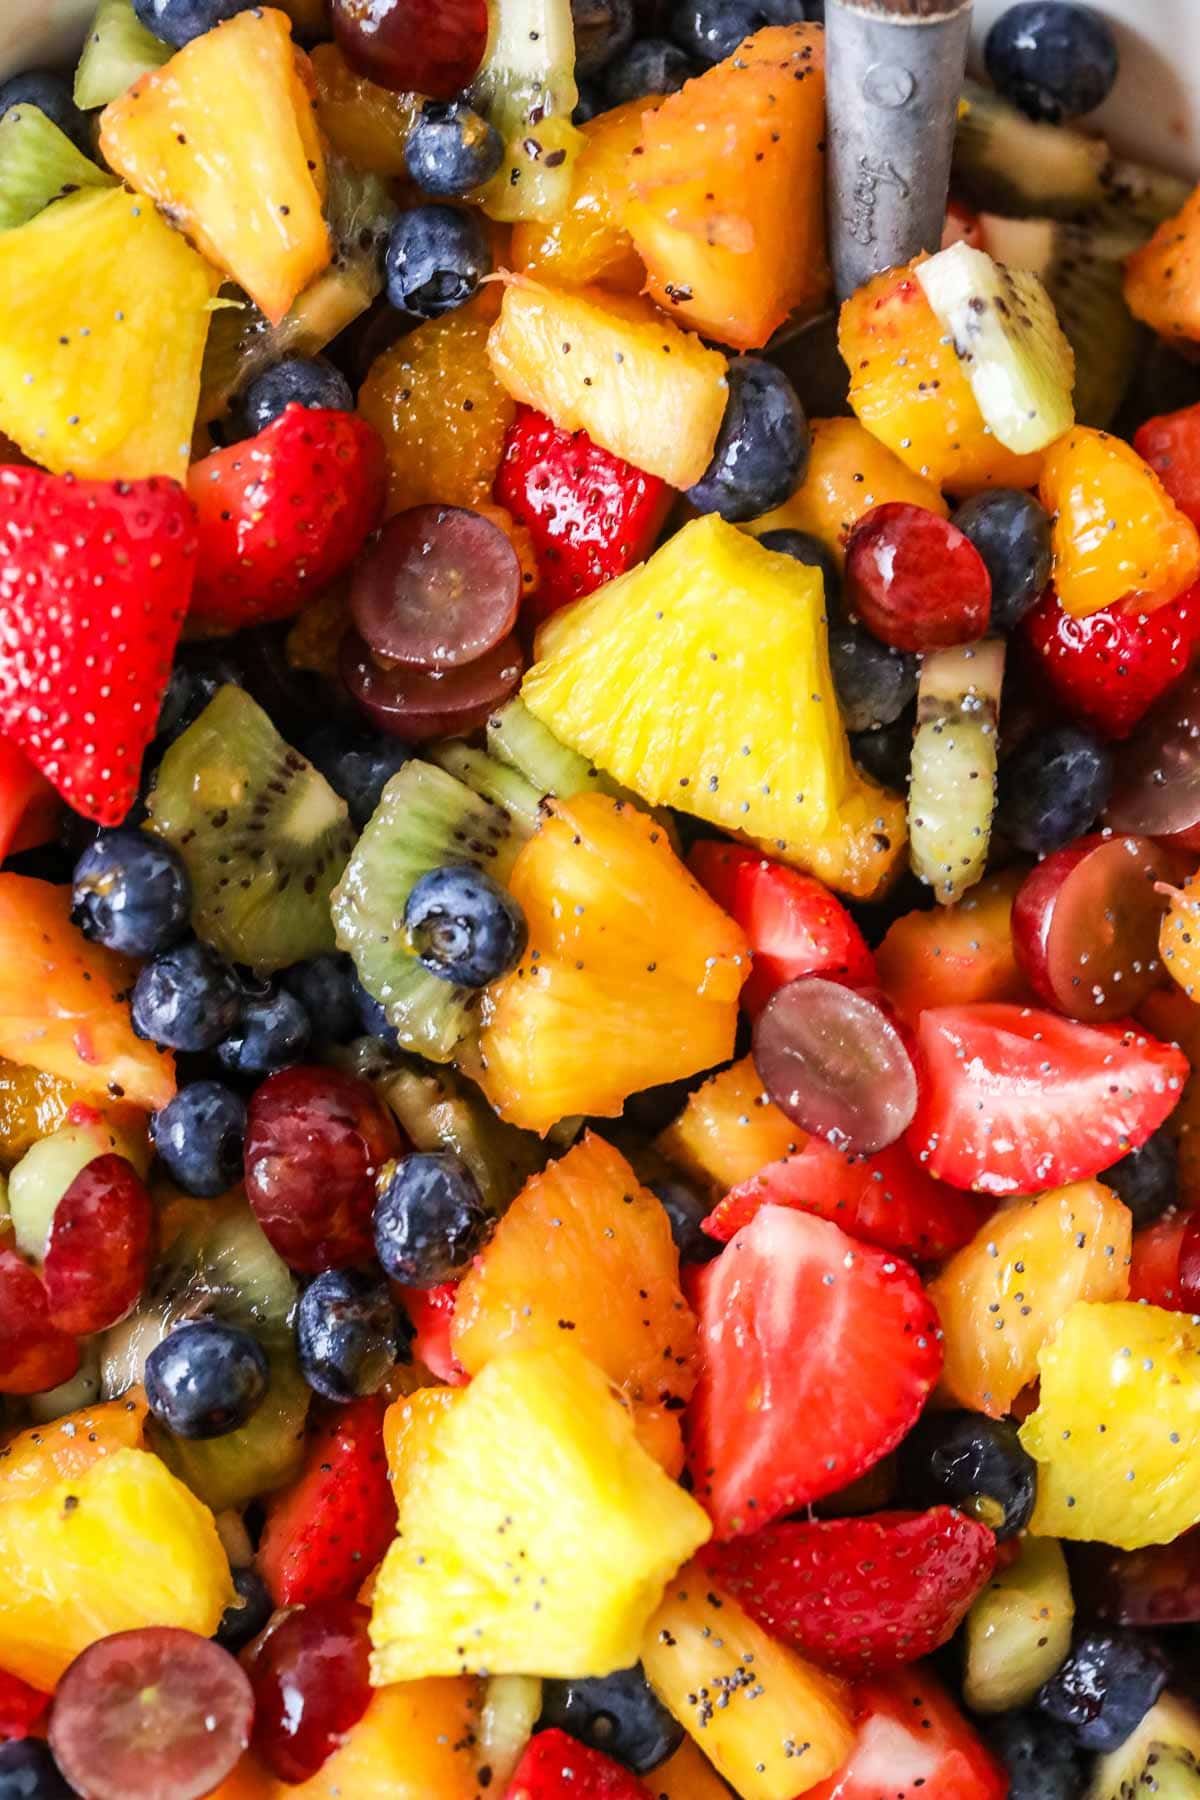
{"x":1108,"y":669}
{"x":1171,"y":445}
{"x":431,"y":1312}
{"x":282,"y":514}
{"x":886,"y":1199}
{"x":1016,"y":1100}
{"x":590,"y":514}
{"x":913,"y":1744}
{"x":794,"y":925}
{"x":326,"y":1532}
{"x":860,"y":1594}
{"x":1154,"y":1263}
{"x":558,"y":1767}
{"x":817,"y":1355}
{"x":94,"y":584}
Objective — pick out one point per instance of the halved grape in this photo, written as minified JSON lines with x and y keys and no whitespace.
{"x":312,"y":1683}
{"x":1157,"y":787}
{"x":1189,"y":1265}
{"x":836,"y":1062}
{"x":915,"y":580}
{"x":412,"y":47}
{"x":1085,"y":925}
{"x":439,"y":586}
{"x":419,"y":704}
{"x":160,"y":1713}
{"x":34,"y":1353}
{"x":99,"y":1248}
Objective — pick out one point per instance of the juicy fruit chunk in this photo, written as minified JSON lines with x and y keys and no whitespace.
{"x":39,"y":1457}
{"x":1117,"y":533}
{"x":717,"y":162}
{"x":630,"y":977}
{"x":223,"y":139}
{"x":363,"y":122}
{"x":1019,"y":1629}
{"x":753,"y":741}
{"x":69,"y":1550}
{"x":1005,"y":1294}
{"x":589,"y":242}
{"x":614,"y":368}
{"x":526,"y":89}
{"x":764,"y":1717}
{"x":584,"y":1228}
{"x":912,"y":1740}
{"x":1162,"y":280}
{"x":954,"y":955}
{"x":38,"y":164}
{"x":687,"y":1776}
{"x":34,"y":1104}
{"x":555,"y":1763}
{"x":1170,"y":443}
{"x":64,"y":1005}
{"x":1117,"y":1430}
{"x":531,"y":1462}
{"x":729,"y":1129}
{"x":102,"y":270}
{"x":908,"y":388}
{"x":335,"y":1522}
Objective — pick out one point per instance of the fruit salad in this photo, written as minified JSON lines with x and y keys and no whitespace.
{"x":599,"y":922}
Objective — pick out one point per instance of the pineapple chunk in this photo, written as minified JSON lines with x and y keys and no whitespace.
{"x":687,"y":1776}
{"x":612,"y":366}
{"x":729,"y":1130}
{"x":1003,"y":1296}
{"x":753,"y":740}
{"x":631,"y":975}
{"x":584,"y":1228}
{"x":65,"y":1450}
{"x":224,"y":140}
{"x":103,"y":315}
{"x":589,"y":242}
{"x":1117,"y":1428}
{"x":535,"y":1535}
{"x":1019,"y":1629}
{"x":120,"y":1545}
{"x":769,"y":1722}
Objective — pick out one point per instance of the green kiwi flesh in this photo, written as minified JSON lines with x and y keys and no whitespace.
{"x":1012,"y":164}
{"x":1160,"y":1759}
{"x":38,"y":164}
{"x":515,"y":737}
{"x":263,"y":835}
{"x":117,"y":50}
{"x":492,"y":780}
{"x":438,"y":1110}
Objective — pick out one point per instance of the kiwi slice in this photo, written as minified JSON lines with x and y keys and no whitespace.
{"x":1161,"y":1758}
{"x":491,"y":779}
{"x":242,"y":342}
{"x":1136,"y":201}
{"x":515,"y":737}
{"x":438,"y":1109}
{"x":262,"y":833}
{"x":38,"y":164}
{"x":1012,"y":164}
{"x":952,"y":792}
{"x":118,"y":49}
{"x":425,"y":819}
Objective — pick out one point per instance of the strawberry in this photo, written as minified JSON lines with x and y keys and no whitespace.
{"x":29,"y":807}
{"x":21,"y":1706}
{"x":1171,"y":445}
{"x":590,"y":514}
{"x":860,"y":1594}
{"x":558,"y":1767}
{"x":1110,"y":668}
{"x":282,"y":514}
{"x":326,"y":1532}
{"x":1016,"y":1100}
{"x":886,"y":1199}
{"x":1154,"y":1270}
{"x":795,"y":926}
{"x":817,"y":1355}
{"x":94,"y":584}
{"x":913,"y":1744}
{"x":431,"y":1312}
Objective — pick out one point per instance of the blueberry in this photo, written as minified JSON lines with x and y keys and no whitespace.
{"x":977,"y":1464}
{"x":199,"y":1135}
{"x":131,"y":893}
{"x":711,"y":30}
{"x":179,"y":21}
{"x":451,"y":150}
{"x":325,"y":987}
{"x":649,"y":66}
{"x":685,"y":1209}
{"x":1105,"y":1688}
{"x":1041,"y":1760}
{"x":1054,"y":60}
{"x":307,"y":380}
{"x":1052,"y":788}
{"x":886,"y":754}
{"x":248,"y":1615}
{"x":273,"y":1031}
{"x":357,"y":765}
{"x":29,"y":1772}
{"x":430,"y":1219}
{"x":874,"y":683}
{"x":206,"y":1379}
{"x":762,"y":446}
{"x":464,"y":926}
{"x":436,"y":258}
{"x":347,"y":1334}
{"x":809,"y":550}
{"x":187,"y":998}
{"x":619,"y":1714}
{"x":51,"y":94}
{"x":373,"y":1018}
{"x":1012,"y":534}
{"x":1147,"y":1180}
{"x":603,"y":28}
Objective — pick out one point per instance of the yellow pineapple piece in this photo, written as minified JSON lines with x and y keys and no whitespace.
{"x":729,"y":1130}
{"x":223,"y":139}
{"x":612,"y":366}
{"x":103,"y":315}
{"x":686,"y":1776}
{"x":1117,"y":1428}
{"x":849,"y":472}
{"x":769,"y":1722}
{"x":1002,"y":1296}
{"x":753,"y":740}
{"x":584,"y":1247}
{"x":631,"y":975}
{"x":1019,"y":1629}
{"x":120,"y":1545}
{"x":589,"y":242}
{"x":365,"y":123}
{"x":37,"y":1458}
{"x":535,"y":1535}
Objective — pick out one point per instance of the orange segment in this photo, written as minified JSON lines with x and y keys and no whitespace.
{"x":729,"y":1130}
{"x":954,"y":955}
{"x":33,"y":1104}
{"x":365,"y":123}
{"x":1162,"y":280}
